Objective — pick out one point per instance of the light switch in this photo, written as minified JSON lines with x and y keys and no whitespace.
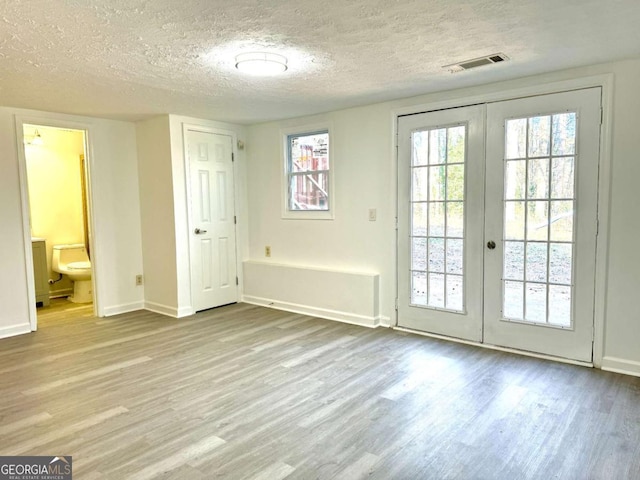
{"x":372,"y":214}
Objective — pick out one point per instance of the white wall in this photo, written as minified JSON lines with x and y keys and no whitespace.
{"x":365,"y":178}
{"x":622,"y":339}
{"x":361,"y":148}
{"x":14,"y":315}
{"x":157,"y":217}
{"x":116,"y":212}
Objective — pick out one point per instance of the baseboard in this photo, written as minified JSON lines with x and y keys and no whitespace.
{"x":167,"y":310}
{"x":14,"y":330}
{"x":361,"y":320}
{"x":488,"y":346}
{"x":63,"y":292}
{"x":125,"y":308}
{"x":161,"y":309}
{"x":385,"y":322}
{"x":620,"y":365}
{"x":184,"y":312}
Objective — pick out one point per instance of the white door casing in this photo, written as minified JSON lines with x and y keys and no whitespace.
{"x":212,"y":219}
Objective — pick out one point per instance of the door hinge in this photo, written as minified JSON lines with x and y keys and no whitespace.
{"x":233,"y":157}
{"x":235,"y":220}
{"x":396,"y":304}
{"x":237,"y":282}
{"x":601,"y":115}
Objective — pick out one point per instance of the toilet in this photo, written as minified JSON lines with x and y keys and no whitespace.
{"x":72,"y":261}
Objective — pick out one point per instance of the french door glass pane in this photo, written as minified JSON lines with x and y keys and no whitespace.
{"x":539,"y":215}
{"x":515,"y":180}
{"x":438,"y":217}
{"x":536,"y":270}
{"x":438,"y":146}
{"x":517,"y":134}
{"x":436,"y":290}
{"x":420,"y":155}
{"x":436,"y":255}
{"x":454,"y":255}
{"x":419,"y":220}
{"x":513,"y":300}
{"x":419,"y":188}
{"x":435,"y":222}
{"x":562,"y":182}
{"x":538,"y":186}
{"x":437,"y":183}
{"x":560,"y":305}
{"x":560,"y":262}
{"x":539,"y":136}
{"x":514,"y":220}
{"x":513,"y":261}
{"x":564,"y":134}
{"x":455,"y":219}
{"x":418,"y":288}
{"x":418,"y":253}
{"x":454,"y":292}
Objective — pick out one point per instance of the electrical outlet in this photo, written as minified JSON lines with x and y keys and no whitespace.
{"x":372,"y":214}
{"x":267,"y":251}
{"x":138,"y":279}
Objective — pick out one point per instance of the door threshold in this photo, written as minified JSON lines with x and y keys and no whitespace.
{"x":496,"y":347}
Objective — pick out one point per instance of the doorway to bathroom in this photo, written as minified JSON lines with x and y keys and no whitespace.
{"x":59,"y":220}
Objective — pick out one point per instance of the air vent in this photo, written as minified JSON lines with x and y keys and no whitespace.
{"x":477,"y":62}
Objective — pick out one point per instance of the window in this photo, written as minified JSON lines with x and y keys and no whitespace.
{"x":308,"y":175}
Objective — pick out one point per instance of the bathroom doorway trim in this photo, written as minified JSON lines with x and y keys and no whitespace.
{"x":55,"y":122}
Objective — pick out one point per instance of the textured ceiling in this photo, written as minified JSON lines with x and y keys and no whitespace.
{"x":134,"y":58}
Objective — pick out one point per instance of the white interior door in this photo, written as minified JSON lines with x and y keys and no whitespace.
{"x":213,"y":238}
{"x":541,"y":204}
{"x":509,"y":261}
{"x":440,"y":221}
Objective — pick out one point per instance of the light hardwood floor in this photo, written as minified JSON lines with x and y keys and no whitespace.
{"x":248,"y":392}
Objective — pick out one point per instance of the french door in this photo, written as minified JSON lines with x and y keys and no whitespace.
{"x":497,"y":222}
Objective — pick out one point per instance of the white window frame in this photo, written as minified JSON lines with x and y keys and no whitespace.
{"x":303,"y":130}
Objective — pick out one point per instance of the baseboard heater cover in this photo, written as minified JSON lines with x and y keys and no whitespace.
{"x":347,"y":296}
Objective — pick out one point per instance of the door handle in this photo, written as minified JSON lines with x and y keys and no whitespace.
{"x":491,"y":244}
{"x":197,"y":231}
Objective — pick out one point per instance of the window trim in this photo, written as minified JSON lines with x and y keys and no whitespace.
{"x":303,"y":130}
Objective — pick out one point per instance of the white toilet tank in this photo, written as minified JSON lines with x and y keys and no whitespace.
{"x":66,"y":254}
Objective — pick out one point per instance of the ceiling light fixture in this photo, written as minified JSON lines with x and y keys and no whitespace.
{"x":261,"y":63}
{"x":35,"y":140}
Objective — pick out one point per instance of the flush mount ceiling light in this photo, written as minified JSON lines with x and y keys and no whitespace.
{"x":261,"y":63}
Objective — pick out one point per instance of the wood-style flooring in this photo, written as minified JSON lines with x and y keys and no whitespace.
{"x":248,"y":392}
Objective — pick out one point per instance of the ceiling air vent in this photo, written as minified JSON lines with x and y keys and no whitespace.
{"x":477,"y":62}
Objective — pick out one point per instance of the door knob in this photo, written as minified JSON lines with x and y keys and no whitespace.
{"x":197,"y":231}
{"x":491,"y":244}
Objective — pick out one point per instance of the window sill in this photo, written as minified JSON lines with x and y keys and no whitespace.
{"x":308,"y":215}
